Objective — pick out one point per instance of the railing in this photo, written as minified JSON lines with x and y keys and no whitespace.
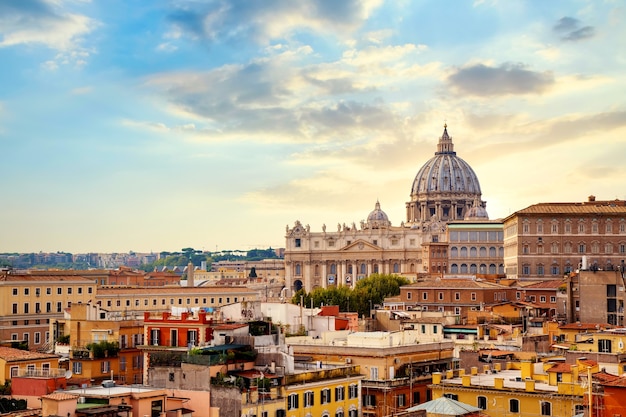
{"x":41,"y":373}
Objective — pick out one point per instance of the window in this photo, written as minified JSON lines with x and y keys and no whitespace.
{"x":369,"y":400}
{"x":105,"y":367}
{"x":416,"y":397}
{"x":340,"y":393}
{"x":339,"y":413}
{"x":325,"y":396}
{"x":373,"y":373}
{"x":309,"y":399}
{"x":424,"y":296}
{"x":37,"y":338}
{"x":77,"y":367}
{"x":440,"y":296}
{"x":409,"y":295}
{"x":482,"y":403}
{"x":553,"y":299}
{"x":26,"y":305}
{"x":15,"y":291}
{"x":353,"y":391}
{"x":542,"y":298}
{"x":457,"y":296}
{"x":473,"y":296}
{"x":298,"y":243}
{"x":281,"y":413}
{"x":514,"y":405}
{"x":59,"y":291}
{"x":292,"y":402}
{"x":59,"y":307}
{"x":122,"y":363}
{"x":435,"y":329}
{"x":539,"y":269}
{"x":400,"y":400}
{"x":15,"y":308}
{"x":546,"y":408}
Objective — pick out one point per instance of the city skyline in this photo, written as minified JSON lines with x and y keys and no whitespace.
{"x":172,"y":124}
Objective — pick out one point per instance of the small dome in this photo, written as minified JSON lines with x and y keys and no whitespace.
{"x":477,"y":212}
{"x":377,"y":217}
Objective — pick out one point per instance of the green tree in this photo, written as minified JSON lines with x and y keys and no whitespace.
{"x":367,"y":292}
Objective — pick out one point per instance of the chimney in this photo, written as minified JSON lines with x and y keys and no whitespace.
{"x":498,"y":383}
{"x":527,"y":369}
{"x":190,"y":282}
{"x":436,"y":378}
{"x":591,"y":198}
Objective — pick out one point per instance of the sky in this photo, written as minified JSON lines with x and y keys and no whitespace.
{"x":130,"y":125}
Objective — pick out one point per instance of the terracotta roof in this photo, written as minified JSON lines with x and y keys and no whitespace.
{"x":561,"y":367}
{"x":48,"y":277}
{"x":60,"y":396}
{"x":589,"y":207}
{"x":14,"y":355}
{"x":549,"y":284}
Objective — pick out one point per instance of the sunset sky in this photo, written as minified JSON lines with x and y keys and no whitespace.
{"x":158,"y":125}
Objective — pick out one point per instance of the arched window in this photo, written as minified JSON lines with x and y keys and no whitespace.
{"x":333,"y":269}
{"x":483,"y":252}
{"x":483,"y":268}
{"x":473,"y":252}
{"x":412,"y":268}
{"x":546,"y":408}
{"x":464,"y":268}
{"x":492,"y":252}
{"x":349,"y":268}
{"x":514,"y":405}
{"x":363,"y":269}
{"x":540,"y":269}
{"x":376,"y":268}
{"x":463,"y":252}
{"x":492,"y":268}
{"x":298,"y":269}
{"x":473,"y":269}
{"x":454,"y":269}
{"x":396,"y":268}
{"x":482,"y":402}
{"x":454,"y":252}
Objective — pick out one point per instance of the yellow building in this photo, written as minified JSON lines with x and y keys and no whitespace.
{"x":101,"y":346}
{"x":522,"y":389}
{"x":29,"y":301}
{"x":14,"y":362}
{"x":329,"y":392}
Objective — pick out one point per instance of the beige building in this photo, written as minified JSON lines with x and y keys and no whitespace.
{"x":28,"y":302}
{"x":445,"y":189}
{"x":548,"y":240}
{"x":135,"y":301}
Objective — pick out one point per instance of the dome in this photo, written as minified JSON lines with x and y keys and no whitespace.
{"x":377,"y":217}
{"x":445,"y":172}
{"x":444,"y":188}
{"x":477,"y":212}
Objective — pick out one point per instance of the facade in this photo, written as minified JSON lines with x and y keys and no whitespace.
{"x":475,"y":247}
{"x":526,"y":388}
{"x":17,"y":362}
{"x":596,"y":297}
{"x":396,"y":366}
{"x":548,"y":240}
{"x":101,"y":347}
{"x":454,"y":295}
{"x":445,"y":189}
{"x":29,"y":301}
{"x":125,"y":301}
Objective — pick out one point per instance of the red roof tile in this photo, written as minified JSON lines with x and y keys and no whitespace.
{"x":14,"y":355}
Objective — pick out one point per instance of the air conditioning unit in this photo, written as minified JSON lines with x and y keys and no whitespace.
{"x":348,"y":360}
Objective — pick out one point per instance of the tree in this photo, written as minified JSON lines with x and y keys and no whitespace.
{"x":367,"y":292}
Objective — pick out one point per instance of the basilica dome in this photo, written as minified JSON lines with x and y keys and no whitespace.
{"x":444,"y":188}
{"x":378,"y":218}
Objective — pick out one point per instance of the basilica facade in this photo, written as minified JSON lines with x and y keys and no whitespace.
{"x":445,"y":190}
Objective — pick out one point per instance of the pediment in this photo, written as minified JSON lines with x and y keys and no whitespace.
{"x":360,"y":245}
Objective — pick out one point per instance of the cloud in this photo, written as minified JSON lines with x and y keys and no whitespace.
{"x":239,"y":20}
{"x":569,"y":29}
{"x":508,"y":79}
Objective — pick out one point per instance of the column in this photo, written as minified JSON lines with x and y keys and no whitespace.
{"x":324,"y":276}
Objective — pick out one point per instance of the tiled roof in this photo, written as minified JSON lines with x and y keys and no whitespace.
{"x":60,"y":396}
{"x":39,"y":278}
{"x":549,"y":284}
{"x":592,"y":207}
{"x":14,"y":355}
{"x":561,"y":367}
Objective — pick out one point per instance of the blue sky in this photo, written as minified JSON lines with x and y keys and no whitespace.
{"x":157,"y":125}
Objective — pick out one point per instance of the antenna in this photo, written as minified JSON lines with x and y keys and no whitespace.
{"x":68,"y":374}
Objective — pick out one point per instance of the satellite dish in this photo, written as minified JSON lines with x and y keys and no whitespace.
{"x":68,"y":374}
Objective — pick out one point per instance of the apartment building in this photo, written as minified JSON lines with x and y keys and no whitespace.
{"x":548,"y":240}
{"x":30,"y":301}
